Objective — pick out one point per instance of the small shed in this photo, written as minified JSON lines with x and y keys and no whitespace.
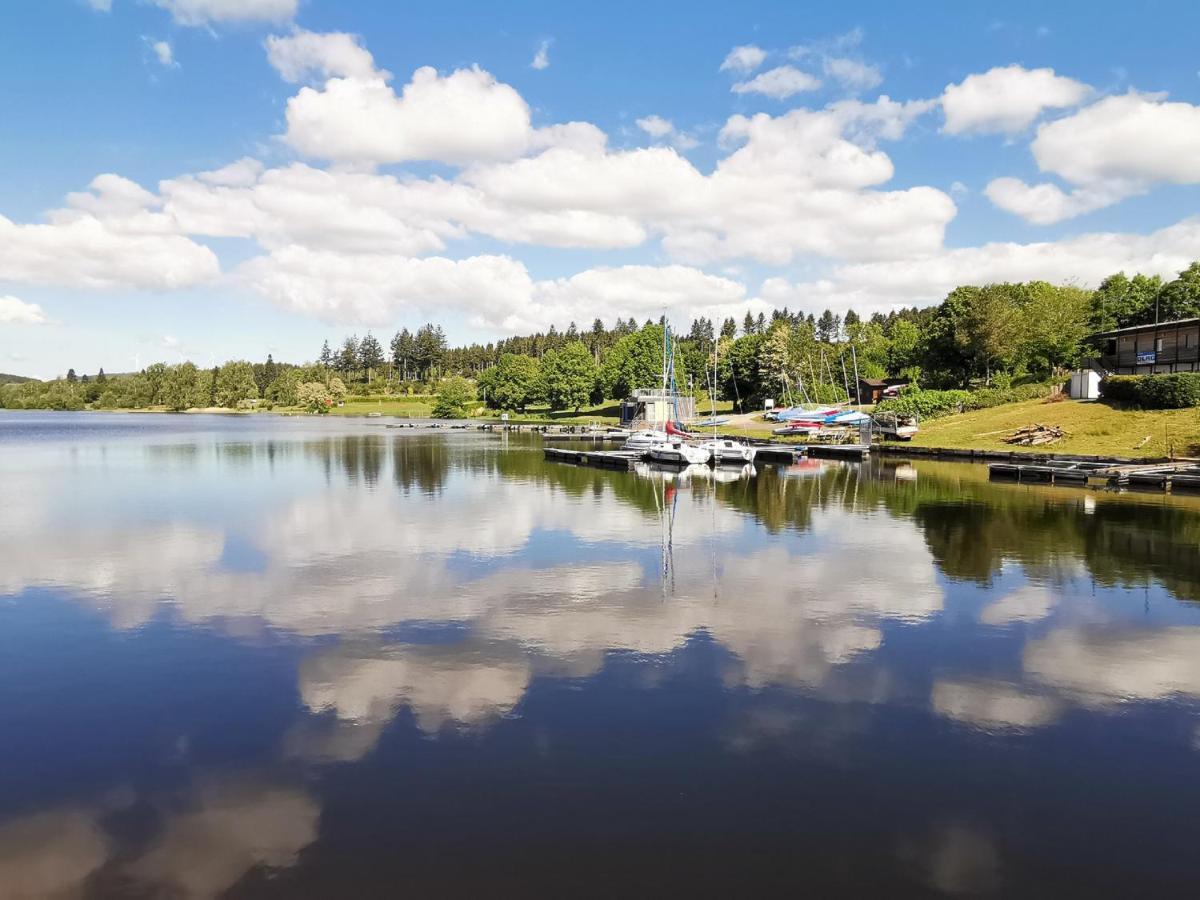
{"x":1085,"y":385}
{"x":870,"y":390}
{"x":654,"y":408}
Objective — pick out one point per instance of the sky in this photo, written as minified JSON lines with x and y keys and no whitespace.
{"x":223,"y":179}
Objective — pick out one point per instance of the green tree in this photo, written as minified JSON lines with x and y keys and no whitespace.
{"x":314,"y":397}
{"x":402,"y":347}
{"x":180,"y":388}
{"x":455,"y":397}
{"x":872,"y":349}
{"x":235,"y":383}
{"x":71,"y":376}
{"x":569,"y":376}
{"x":347,"y":358}
{"x":154,"y":375}
{"x":636,"y":361}
{"x":1180,"y":299}
{"x":325,"y":360}
{"x":370,"y":355}
{"x":284,"y":390}
{"x":1056,"y":326}
{"x":774,"y":362}
{"x":737,"y":369}
{"x":514,"y":382}
{"x":904,"y":344}
{"x":429,"y":348}
{"x":990,"y":328}
{"x":828,"y":327}
{"x":337,"y":389}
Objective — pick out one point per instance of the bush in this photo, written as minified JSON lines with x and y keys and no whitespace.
{"x":932,"y":404}
{"x":455,"y":397}
{"x":1121,"y":388}
{"x":1175,"y":391}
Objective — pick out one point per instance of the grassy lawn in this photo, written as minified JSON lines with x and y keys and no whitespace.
{"x":1093,"y":428}
{"x":411,"y":407}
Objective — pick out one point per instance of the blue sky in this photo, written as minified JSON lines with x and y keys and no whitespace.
{"x":849,"y":156}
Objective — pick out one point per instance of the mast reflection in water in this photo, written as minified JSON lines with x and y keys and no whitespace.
{"x":258,"y":657}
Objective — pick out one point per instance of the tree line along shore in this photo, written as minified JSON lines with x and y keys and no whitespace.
{"x":995,"y":343}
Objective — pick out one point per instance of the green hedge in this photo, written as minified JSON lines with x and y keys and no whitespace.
{"x":1175,"y":391}
{"x":931,"y":404}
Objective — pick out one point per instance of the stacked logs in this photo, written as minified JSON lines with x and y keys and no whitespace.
{"x":1033,"y":435}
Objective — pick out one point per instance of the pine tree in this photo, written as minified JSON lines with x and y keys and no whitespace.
{"x":101,"y":378}
{"x":748,"y":324}
{"x":347,"y":358}
{"x":729,"y":328}
{"x":402,"y":352}
{"x":827,"y":327}
{"x":370,"y":355}
{"x":71,"y":376}
{"x":326,"y":358}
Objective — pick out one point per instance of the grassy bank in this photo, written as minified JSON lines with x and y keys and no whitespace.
{"x":417,"y":407}
{"x":1092,"y":429}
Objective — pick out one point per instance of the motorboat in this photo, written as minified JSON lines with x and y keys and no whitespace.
{"x":644,"y":440}
{"x":675,"y":450}
{"x":724,"y":450}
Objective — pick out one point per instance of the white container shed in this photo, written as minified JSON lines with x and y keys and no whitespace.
{"x":1085,"y":385}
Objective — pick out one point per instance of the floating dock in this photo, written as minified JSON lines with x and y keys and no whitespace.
{"x":789,"y":453}
{"x":604,"y":459}
{"x":596,"y":437}
{"x":767,"y":453}
{"x":1163,"y":476}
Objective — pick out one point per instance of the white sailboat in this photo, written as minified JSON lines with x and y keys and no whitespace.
{"x":678,"y":451}
{"x":724,"y":450}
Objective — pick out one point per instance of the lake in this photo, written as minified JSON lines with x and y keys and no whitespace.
{"x":294,"y":657}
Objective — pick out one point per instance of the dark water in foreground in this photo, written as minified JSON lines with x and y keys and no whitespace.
{"x":256,"y":657}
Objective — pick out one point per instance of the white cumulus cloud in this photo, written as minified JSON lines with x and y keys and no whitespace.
{"x":14,"y":311}
{"x":541,"y":59}
{"x":745,"y":58}
{"x":1007,"y":99}
{"x":655,"y":126}
{"x":458,"y":118}
{"x":778,"y":83}
{"x":164,"y":54}
{"x":304,"y":54}
{"x":852,"y":74}
{"x":663,"y":129}
{"x":922,"y":279}
{"x":205,"y":12}
{"x":1115,"y":148}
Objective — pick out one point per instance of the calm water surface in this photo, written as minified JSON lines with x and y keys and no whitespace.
{"x":261,"y":657}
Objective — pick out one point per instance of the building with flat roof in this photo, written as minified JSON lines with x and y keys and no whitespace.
{"x":1150,"y":349}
